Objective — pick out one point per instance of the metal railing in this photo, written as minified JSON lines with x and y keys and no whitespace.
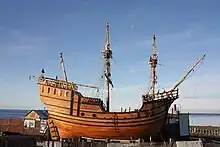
{"x":212,"y":131}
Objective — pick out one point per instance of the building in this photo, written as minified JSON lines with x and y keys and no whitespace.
{"x":177,"y":126}
{"x":34,"y":117}
{"x":33,"y":123}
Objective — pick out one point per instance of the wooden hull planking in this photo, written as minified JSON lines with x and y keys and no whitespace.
{"x":73,"y":130}
{"x":76,"y":116}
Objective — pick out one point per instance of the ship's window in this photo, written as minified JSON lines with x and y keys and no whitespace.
{"x":54,"y":92}
{"x":94,"y":115}
{"x":42,"y":89}
{"x":48,"y":90}
{"x":60,"y":92}
{"x":82,"y":114}
{"x":66,"y":93}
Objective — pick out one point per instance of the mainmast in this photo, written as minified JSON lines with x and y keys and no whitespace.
{"x":63,"y":67}
{"x":153,"y":65}
{"x":107,"y":56}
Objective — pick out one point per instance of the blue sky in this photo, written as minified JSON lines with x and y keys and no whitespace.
{"x":32,"y":33}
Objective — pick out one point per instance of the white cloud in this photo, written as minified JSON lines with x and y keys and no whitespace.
{"x":200,"y":93}
{"x":17,"y":42}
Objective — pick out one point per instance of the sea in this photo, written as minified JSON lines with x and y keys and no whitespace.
{"x":202,"y":120}
{"x":13,"y":113}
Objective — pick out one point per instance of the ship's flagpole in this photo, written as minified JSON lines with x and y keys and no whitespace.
{"x":107,"y":56}
{"x":153,"y":64}
{"x":63,"y":67}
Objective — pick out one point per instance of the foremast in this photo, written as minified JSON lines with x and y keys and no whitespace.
{"x":153,"y":64}
{"x":107,"y":53}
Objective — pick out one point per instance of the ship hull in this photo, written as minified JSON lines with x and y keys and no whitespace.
{"x":77,"y":116}
{"x":69,"y":129}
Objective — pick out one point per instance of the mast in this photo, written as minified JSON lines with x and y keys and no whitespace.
{"x":63,"y":67}
{"x":107,"y":56}
{"x":153,"y":64}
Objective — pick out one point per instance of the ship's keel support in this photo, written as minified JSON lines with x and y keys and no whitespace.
{"x":54,"y":134}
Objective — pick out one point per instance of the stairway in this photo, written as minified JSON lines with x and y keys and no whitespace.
{"x":53,"y":130}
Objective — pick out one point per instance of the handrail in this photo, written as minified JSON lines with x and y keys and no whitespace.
{"x":172,"y":94}
{"x":205,"y":130}
{"x":57,"y":83}
{"x":68,"y":85}
{"x":98,"y":101}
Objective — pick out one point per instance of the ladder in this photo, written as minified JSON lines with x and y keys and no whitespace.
{"x":53,"y":130}
{"x":116,"y":122}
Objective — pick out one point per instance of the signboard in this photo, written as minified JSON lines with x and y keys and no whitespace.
{"x":184,"y":124}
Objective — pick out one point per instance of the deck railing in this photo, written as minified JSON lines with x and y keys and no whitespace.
{"x":96,"y":101}
{"x":170,"y":95}
{"x":57,"y":83}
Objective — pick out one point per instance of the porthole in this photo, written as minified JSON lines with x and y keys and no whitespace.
{"x":94,"y":115}
{"x":82,"y":114}
{"x":54,"y":92}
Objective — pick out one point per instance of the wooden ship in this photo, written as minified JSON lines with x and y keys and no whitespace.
{"x":72,"y":115}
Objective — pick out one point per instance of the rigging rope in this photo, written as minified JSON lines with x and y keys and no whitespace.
{"x":149,"y":86}
{"x":100,"y":85}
